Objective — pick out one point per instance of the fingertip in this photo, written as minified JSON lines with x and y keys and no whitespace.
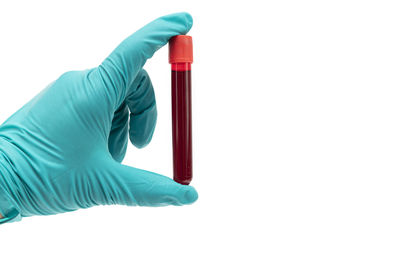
{"x":183,"y":18}
{"x":142,"y":128}
{"x":188,"y":19}
{"x":178,"y":195}
{"x":190,"y":195}
{"x":143,"y":141}
{"x":140,"y":145}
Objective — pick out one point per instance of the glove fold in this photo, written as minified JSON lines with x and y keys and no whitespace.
{"x":9,"y":209}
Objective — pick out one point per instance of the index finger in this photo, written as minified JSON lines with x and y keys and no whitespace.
{"x":120,"y":68}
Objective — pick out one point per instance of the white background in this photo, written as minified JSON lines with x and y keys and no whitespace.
{"x":296,"y":133}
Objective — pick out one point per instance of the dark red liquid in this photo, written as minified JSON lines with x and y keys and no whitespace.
{"x":182,"y":124}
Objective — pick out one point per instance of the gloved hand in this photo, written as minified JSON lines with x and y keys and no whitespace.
{"x":62,"y":150}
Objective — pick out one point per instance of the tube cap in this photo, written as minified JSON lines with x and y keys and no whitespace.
{"x":180,"y":49}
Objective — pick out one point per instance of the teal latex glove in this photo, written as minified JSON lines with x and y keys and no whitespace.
{"x":62,"y":150}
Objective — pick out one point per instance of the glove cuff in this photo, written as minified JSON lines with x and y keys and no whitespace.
{"x":8,"y":208}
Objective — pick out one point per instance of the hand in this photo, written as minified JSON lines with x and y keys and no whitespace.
{"x":62,"y":150}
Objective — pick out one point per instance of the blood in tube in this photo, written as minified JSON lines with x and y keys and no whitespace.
{"x":181,"y":58}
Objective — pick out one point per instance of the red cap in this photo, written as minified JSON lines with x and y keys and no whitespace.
{"x":181,"y":49}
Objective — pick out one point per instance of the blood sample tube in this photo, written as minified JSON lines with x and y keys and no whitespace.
{"x":181,"y":58}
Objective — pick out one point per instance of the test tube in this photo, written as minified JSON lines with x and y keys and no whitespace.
{"x":181,"y":58}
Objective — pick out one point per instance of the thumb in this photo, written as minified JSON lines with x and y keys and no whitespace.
{"x":126,"y":185}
